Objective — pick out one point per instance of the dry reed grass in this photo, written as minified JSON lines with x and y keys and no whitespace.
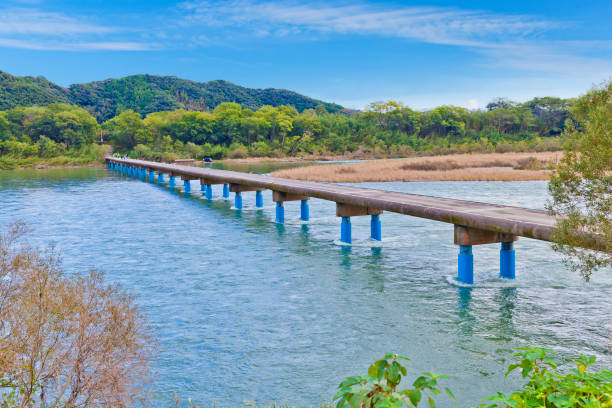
{"x":457,"y":167}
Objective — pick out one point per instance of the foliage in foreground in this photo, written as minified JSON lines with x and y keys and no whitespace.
{"x":581,"y":187}
{"x":66,"y":341}
{"x":379,"y":387}
{"x":547,"y":386}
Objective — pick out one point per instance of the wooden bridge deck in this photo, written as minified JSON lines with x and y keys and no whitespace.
{"x":515,"y":221}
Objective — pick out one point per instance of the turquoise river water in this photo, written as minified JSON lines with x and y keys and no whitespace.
{"x":245,"y":309}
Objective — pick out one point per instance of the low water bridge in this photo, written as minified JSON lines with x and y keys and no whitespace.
{"x":475,"y":223}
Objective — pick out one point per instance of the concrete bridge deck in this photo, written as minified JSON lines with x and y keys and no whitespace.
{"x":516,"y":221}
{"x":474,"y":223}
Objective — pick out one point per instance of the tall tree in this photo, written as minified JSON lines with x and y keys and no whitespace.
{"x":581,"y":187}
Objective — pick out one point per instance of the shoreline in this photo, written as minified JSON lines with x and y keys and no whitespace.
{"x":526,"y":166}
{"x":456,"y":167}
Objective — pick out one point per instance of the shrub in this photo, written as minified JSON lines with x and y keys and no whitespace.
{"x":378,"y":389}
{"x":238,"y":153}
{"x":66,"y":340}
{"x":48,"y":148}
{"x":547,"y":387}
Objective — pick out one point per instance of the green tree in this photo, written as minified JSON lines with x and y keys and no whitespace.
{"x":127,"y":130}
{"x":5,"y":127}
{"x":581,"y":186}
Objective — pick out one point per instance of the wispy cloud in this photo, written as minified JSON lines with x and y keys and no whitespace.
{"x":508,"y":40}
{"x":43,"y":45}
{"x":31,"y":29}
{"x":429,"y":24}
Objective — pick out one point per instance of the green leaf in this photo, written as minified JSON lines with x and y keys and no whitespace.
{"x":415,"y":396}
{"x":450,"y":394}
{"x":432,"y":403}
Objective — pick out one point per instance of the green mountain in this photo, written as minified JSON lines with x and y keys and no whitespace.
{"x":27,"y":91}
{"x":146,"y":94}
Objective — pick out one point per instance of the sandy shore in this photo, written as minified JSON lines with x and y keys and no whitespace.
{"x":457,"y":167}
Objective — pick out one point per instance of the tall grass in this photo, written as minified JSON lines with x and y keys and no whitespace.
{"x":88,"y":154}
{"x":456,"y":167}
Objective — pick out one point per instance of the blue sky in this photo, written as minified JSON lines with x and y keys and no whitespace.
{"x":423,"y":54}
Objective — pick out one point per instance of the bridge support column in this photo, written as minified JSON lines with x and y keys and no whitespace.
{"x":465,"y":237}
{"x":280,"y":212}
{"x":143,"y":174}
{"x":187,"y":185}
{"x":209,"y":192}
{"x":376,"y":228}
{"x":345,"y":230}
{"x":172,"y":181}
{"x":238,"y":200}
{"x":465,"y":273}
{"x":226,"y":191}
{"x":349,"y":210}
{"x":160,"y":178}
{"x":258,"y":199}
{"x":279,"y":197}
{"x":507,"y":261}
{"x":151,"y":176}
{"x":304,"y":210}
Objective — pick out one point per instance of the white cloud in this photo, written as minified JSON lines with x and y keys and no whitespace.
{"x":31,"y":29}
{"x":25,"y":21}
{"x":509,"y":41}
{"x":75,"y":46}
{"x":429,"y":24}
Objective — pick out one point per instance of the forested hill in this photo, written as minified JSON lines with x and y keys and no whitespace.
{"x":146,"y":94}
{"x":28,"y":91}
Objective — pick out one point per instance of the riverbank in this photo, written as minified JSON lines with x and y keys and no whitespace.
{"x":455,"y":167}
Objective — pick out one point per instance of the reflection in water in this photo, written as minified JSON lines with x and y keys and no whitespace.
{"x":346,"y":251}
{"x":463,"y":303}
{"x":506,"y":299}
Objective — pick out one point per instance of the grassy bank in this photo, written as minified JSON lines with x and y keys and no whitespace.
{"x":456,"y":167}
{"x":92,"y":154}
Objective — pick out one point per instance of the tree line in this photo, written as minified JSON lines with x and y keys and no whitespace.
{"x":383,"y":129}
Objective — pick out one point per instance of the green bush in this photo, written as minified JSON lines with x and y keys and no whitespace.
{"x":548,"y":387}
{"x":378,"y":389}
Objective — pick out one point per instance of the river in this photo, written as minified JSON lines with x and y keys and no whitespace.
{"x":245,"y":309}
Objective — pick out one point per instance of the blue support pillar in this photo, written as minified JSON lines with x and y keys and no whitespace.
{"x":187,"y":185}
{"x":345,"y":230}
{"x":226,"y":191}
{"x":172,"y":181}
{"x":304,"y":210}
{"x":258,"y":199}
{"x":280,"y":212}
{"x":238,"y":201}
{"x":465,"y":273}
{"x":209,"y":192}
{"x":376,"y":228}
{"x":151,"y":176}
{"x":507,"y":261}
{"x":143,"y":174}
{"x":160,"y":178}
